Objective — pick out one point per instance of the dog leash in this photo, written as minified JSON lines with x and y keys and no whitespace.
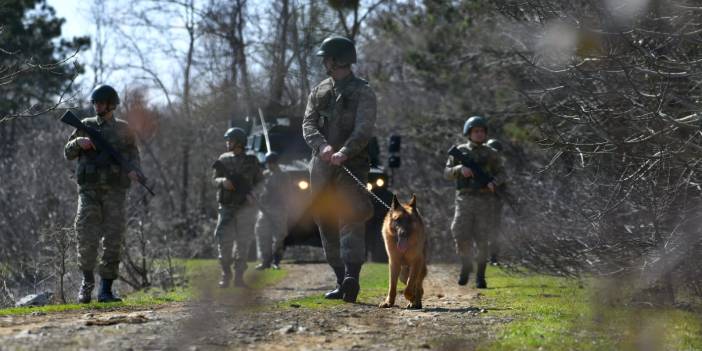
{"x":363,"y":186}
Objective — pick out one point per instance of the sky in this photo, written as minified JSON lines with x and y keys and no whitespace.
{"x":167,"y":66}
{"x":76,"y":15}
{"x":79,"y":23}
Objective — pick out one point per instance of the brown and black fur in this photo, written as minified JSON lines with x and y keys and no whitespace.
{"x":405,"y":243}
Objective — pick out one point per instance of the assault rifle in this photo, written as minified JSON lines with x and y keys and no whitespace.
{"x":242,"y":187}
{"x":480,"y":176}
{"x":106,"y":150}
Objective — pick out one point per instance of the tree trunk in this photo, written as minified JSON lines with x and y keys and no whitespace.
{"x":280,"y":71}
{"x":241,"y":59}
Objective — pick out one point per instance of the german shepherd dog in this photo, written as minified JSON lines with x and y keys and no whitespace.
{"x":405,"y":243}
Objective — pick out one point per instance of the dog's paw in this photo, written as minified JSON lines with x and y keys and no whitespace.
{"x":413,"y":306}
{"x":386,"y":304}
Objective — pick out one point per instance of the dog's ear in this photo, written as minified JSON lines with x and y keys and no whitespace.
{"x":413,"y":203}
{"x":395,"y":204}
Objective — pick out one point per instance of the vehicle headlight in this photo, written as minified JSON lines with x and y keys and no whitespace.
{"x":303,"y":184}
{"x":369,"y":186}
{"x":379,"y":182}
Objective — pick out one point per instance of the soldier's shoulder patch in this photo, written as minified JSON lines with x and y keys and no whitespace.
{"x":323,"y":91}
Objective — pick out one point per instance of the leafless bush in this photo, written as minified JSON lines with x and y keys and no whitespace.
{"x":617,"y":96}
{"x":57,"y":247}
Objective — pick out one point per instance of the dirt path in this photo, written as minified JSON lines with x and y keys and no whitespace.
{"x":453,"y":318}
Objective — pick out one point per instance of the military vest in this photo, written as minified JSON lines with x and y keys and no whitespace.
{"x":484,"y":157}
{"x":243,"y":166}
{"x":96,"y":168}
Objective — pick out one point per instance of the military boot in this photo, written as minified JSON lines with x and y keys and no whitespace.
{"x":239,"y":276}
{"x":480,"y":282}
{"x":466,"y":269}
{"x":276,"y":260}
{"x":262,"y":266}
{"x":225,"y":278}
{"x":350,"y":286}
{"x":105,"y":294}
{"x":336,"y":294}
{"x":86,"y":287}
{"x":493,"y":260}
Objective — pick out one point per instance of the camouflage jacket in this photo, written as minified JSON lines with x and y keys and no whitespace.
{"x":487,"y":158}
{"x":90,"y":173}
{"x":246,"y":166}
{"x":341,"y":114}
{"x":274,"y":193}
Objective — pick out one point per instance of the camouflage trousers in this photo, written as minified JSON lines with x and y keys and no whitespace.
{"x":341,"y":210}
{"x":101,"y":221}
{"x":271,"y":230}
{"x":473,"y":224}
{"x":234,"y":232}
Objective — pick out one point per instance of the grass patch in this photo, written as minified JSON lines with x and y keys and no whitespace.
{"x":557,"y":314}
{"x":374,"y":285}
{"x":198,"y":273}
{"x":138,"y":299}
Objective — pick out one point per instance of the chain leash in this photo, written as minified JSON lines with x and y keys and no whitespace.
{"x":363,"y":186}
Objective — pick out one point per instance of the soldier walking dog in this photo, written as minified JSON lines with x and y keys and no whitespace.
{"x":338,"y":123}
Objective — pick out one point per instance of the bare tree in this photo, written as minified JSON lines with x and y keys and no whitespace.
{"x":226,"y":22}
{"x":58,"y":245}
{"x":616,"y":89}
{"x":349,"y":11}
{"x":99,"y":11}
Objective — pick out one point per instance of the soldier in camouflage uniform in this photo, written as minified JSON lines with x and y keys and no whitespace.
{"x":272,"y":220}
{"x":235,"y":173}
{"x":494,"y":245}
{"x":102,"y":193}
{"x":338,"y":123}
{"x":473,"y":223}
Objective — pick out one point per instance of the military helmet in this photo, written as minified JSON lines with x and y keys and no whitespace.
{"x":495,"y":144}
{"x":105,"y":93}
{"x":236,"y":135}
{"x":341,"y":49}
{"x":272,"y":157}
{"x":475,"y":121}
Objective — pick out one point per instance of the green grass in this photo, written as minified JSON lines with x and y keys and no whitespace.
{"x":198,"y":273}
{"x":374,"y":285}
{"x":558,"y":314}
{"x":547,"y":313}
{"x":140,"y":299}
